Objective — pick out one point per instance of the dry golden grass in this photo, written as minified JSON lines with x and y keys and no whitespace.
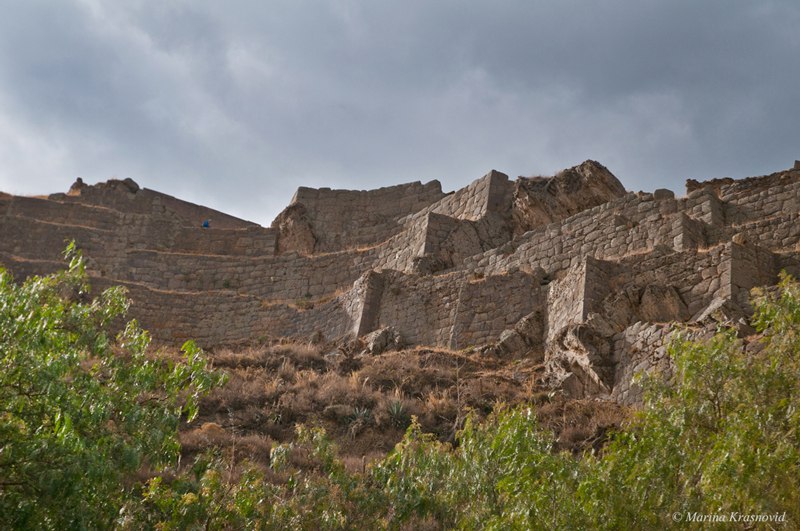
{"x":366,"y":403}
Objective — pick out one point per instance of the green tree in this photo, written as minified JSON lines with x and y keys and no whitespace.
{"x":82,"y":410}
{"x":503,"y":474}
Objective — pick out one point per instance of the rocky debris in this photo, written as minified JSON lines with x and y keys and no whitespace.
{"x":712,"y":184}
{"x":724,"y":312}
{"x":428,"y":265}
{"x":131,"y":185}
{"x":720,"y":310}
{"x":581,"y":381}
{"x":621,"y":308}
{"x":526,"y":339}
{"x":382,"y":340}
{"x":125,"y":185}
{"x":511,"y":342}
{"x":79,"y":187}
{"x":582,"y":345}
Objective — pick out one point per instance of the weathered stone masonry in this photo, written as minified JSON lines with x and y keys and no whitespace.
{"x":570,"y":270}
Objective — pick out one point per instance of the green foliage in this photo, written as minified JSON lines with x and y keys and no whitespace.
{"x":326,"y":497}
{"x":208,"y":498}
{"x":398,"y":416}
{"x":359,"y":419}
{"x":503,"y":474}
{"x":80,"y":409}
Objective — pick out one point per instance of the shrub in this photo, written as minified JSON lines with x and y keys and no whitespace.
{"x":81,"y":410}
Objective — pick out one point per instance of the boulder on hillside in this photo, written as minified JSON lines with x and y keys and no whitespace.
{"x":382,"y":340}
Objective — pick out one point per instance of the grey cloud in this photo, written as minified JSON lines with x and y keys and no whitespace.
{"x":234,"y":105}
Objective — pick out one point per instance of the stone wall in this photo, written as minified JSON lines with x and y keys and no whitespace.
{"x":757,"y":199}
{"x":746,"y":267}
{"x":344,"y":219}
{"x":633,"y":224}
{"x":565,"y":300}
{"x":640,"y":349}
{"x":451,"y":310}
{"x":488,"y":306}
{"x":570,"y":270}
{"x":278,"y":278}
{"x":175,"y":316}
{"x":126,"y":196}
{"x":250,"y":241}
{"x":420,"y":308}
{"x":45,"y":220}
{"x":491,"y":193}
{"x":695,"y":275}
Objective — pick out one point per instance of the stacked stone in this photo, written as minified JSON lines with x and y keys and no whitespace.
{"x":592,"y":290}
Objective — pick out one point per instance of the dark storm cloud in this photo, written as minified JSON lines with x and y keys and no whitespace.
{"x":236,"y":104}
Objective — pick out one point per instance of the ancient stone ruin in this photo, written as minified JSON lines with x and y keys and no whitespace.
{"x":570,"y":270}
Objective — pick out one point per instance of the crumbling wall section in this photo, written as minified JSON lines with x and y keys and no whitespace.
{"x":491,"y":193}
{"x":542,"y":200}
{"x":448,"y":241}
{"x":344,"y":219}
{"x":695,"y":275}
{"x":755,"y":199}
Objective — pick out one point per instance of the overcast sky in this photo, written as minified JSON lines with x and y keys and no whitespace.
{"x":235,"y":104}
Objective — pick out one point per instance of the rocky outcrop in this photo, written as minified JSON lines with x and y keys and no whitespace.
{"x":542,"y":200}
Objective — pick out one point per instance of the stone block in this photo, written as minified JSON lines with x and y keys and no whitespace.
{"x":662,"y":193}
